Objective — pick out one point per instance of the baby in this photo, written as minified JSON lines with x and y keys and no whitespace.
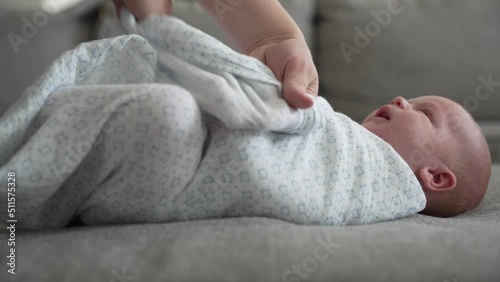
{"x":444,"y":147}
{"x":427,"y":132}
{"x":210,"y":137}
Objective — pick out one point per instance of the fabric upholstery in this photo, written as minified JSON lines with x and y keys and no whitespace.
{"x":428,"y":47}
{"x":418,"y":248}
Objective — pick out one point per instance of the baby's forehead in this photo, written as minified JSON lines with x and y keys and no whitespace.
{"x":442,"y":101}
{"x":447,"y":106}
{"x":455,"y":114}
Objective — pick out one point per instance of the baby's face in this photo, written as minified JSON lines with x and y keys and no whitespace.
{"x":419,"y":129}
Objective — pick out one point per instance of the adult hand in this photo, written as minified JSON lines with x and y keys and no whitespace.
{"x":141,"y":9}
{"x":292,"y":63}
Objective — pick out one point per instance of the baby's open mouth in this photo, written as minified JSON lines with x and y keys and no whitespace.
{"x":384,"y":112}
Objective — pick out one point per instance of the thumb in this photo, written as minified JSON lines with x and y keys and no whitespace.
{"x":300,"y":84}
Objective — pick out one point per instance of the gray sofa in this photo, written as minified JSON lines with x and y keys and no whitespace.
{"x":28,"y":48}
{"x":430,"y":47}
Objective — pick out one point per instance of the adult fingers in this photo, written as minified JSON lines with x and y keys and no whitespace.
{"x":300,"y":83}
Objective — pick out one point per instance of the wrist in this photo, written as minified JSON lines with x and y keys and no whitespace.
{"x":250,"y":24}
{"x":150,"y":8}
{"x":271,"y":40}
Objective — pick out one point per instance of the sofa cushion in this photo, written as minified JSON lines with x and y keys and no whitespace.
{"x":32,"y":39}
{"x":369,"y":51}
{"x":492,"y":132}
{"x":417,"y":248}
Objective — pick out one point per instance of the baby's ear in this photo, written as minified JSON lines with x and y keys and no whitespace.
{"x":438,"y":179}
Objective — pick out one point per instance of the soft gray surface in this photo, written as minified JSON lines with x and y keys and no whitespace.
{"x":419,"y":248}
{"x":430,"y":48}
{"x":62,"y":32}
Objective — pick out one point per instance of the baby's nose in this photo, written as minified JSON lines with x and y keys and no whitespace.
{"x":400,"y":102}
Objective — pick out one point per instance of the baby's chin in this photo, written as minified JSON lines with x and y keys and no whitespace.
{"x":368,"y":117}
{"x":370,"y":127}
{"x":379,"y":129}
{"x":369,"y":124}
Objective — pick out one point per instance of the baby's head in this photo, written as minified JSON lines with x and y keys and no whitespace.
{"x":444,"y":147}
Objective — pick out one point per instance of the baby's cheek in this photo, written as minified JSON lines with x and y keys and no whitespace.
{"x":420,"y":156}
{"x":441,"y":136}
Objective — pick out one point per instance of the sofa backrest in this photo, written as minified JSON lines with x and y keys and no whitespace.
{"x":369,"y":51}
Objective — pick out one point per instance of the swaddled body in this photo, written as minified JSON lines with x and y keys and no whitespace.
{"x":164,"y":160}
{"x":214,"y":139}
{"x":339,"y":174}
